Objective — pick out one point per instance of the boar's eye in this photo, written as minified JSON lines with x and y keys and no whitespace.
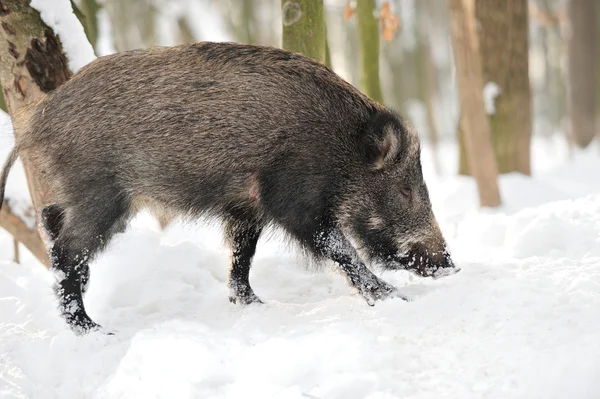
{"x":406,"y":192}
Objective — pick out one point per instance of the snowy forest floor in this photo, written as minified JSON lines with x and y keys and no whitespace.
{"x":522,"y":319}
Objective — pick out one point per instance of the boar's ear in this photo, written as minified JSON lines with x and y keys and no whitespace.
{"x":382,"y":147}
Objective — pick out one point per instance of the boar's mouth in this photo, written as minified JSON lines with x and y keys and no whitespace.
{"x":426,"y":263}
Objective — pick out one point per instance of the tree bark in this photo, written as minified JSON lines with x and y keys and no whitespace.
{"x":582,"y":70}
{"x":597,"y":72}
{"x":368,"y":37}
{"x":504,"y":39}
{"x":22,"y":233}
{"x":32,"y":64}
{"x":304,"y":28}
{"x":426,"y":73}
{"x":16,"y":254}
{"x":475,"y":123}
{"x":327,"y":52}
{"x":90,"y":23}
{"x":184,"y":31}
{"x":132,"y":23}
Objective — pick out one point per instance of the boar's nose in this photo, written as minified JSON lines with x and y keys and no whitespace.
{"x":434,"y":264}
{"x":445,"y":272}
{"x":447,"y":266}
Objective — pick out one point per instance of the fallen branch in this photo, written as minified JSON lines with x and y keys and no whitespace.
{"x":21,"y":232}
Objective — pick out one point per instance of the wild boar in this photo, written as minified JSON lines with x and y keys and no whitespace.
{"x":253,"y":135}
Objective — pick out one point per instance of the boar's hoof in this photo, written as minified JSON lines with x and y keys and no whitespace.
{"x":243,"y":295}
{"x":84,"y":326}
{"x":378,"y":290}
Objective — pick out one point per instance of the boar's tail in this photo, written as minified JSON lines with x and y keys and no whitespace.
{"x":12,"y":157}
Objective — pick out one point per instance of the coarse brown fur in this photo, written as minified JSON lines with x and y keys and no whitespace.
{"x":253,"y":135}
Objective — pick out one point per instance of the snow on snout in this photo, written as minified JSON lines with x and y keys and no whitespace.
{"x":445,"y":272}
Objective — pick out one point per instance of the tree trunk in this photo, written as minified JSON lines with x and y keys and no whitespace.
{"x":132,"y":23}
{"x":426,"y":73}
{"x":90,"y":24}
{"x":475,"y":123}
{"x":32,"y":64}
{"x":241,"y":19}
{"x":368,"y":37}
{"x":22,"y":233}
{"x":503,"y":35}
{"x":327,"y":52}
{"x":582,"y":70}
{"x":597,"y":72}
{"x":16,"y":254}
{"x":304,"y":28}
{"x":184,"y":31}
{"x":555,"y":93}
{"x":463,"y":162}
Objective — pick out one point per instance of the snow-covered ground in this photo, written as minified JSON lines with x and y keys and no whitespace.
{"x":522,"y":320}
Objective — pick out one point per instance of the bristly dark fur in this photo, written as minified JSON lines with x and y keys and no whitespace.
{"x":253,"y":135}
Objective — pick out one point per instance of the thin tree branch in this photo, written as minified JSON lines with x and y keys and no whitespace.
{"x":21,"y":232}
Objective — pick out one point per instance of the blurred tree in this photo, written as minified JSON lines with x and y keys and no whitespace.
{"x":2,"y":101}
{"x":426,"y":73}
{"x":368,"y":36}
{"x":267,"y":30}
{"x":87,"y":13}
{"x":33,"y":63}
{"x":327,"y":52}
{"x":503,"y":36}
{"x":475,"y":123}
{"x":598,"y":70}
{"x":184,"y":31}
{"x":241,"y":19}
{"x":582,"y":60}
{"x":304,"y":28}
{"x":248,"y":20}
{"x":133,"y":23}
{"x":549,"y":19}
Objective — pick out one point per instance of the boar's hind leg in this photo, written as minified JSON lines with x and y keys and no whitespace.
{"x":242,"y":235}
{"x":53,"y":220}
{"x":83,"y":231}
{"x":333,"y":245}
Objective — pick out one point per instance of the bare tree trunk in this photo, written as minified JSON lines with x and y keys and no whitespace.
{"x":90,"y":13}
{"x":241,"y":18}
{"x":475,"y":123}
{"x":597,"y":72}
{"x":368,"y":37}
{"x":132,"y":23}
{"x":248,"y":20}
{"x":22,"y":233}
{"x":32,"y":64}
{"x":503,"y":35}
{"x":16,"y":254}
{"x":184,"y":31}
{"x":426,"y":76}
{"x":463,"y":162}
{"x":327,"y":52}
{"x":555,"y":88}
{"x":304,"y":28}
{"x":582,"y":70}
{"x":504,"y":39}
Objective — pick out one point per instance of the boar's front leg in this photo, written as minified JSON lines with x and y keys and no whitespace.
{"x":333,"y":245}
{"x":242,"y":235}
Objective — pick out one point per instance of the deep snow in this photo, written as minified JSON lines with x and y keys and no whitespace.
{"x":520,"y":320}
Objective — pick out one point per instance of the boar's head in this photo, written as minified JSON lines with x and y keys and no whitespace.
{"x":386,"y":210}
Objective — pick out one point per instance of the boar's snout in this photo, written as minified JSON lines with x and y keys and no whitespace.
{"x":428,"y":263}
